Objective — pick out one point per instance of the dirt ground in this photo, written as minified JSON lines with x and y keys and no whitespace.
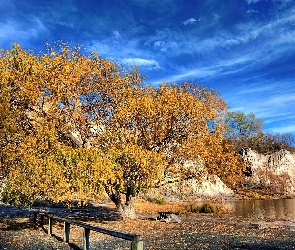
{"x":196,"y":231}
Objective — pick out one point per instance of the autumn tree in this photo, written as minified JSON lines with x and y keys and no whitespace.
{"x":53,"y":105}
{"x":80,"y":125}
{"x":183,"y":121}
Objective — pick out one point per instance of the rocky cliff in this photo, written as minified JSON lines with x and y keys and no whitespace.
{"x":275,"y":172}
{"x":197,"y":184}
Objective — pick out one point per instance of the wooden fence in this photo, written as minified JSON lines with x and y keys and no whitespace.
{"x":136,"y":241}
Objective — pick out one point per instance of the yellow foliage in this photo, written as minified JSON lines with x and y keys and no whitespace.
{"x":76,"y":125}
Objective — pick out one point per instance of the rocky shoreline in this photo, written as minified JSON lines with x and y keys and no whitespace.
{"x":196,"y":231}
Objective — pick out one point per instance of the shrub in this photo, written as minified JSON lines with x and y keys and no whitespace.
{"x":159,"y":200}
{"x":205,"y":208}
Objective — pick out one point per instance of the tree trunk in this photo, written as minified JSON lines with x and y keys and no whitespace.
{"x":126,"y":209}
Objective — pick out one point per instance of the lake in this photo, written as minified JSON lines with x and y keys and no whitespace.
{"x":271,"y":209}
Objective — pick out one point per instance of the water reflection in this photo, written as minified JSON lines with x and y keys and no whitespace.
{"x":276,"y":209}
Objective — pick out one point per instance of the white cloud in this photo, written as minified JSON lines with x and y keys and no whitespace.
{"x":286,"y":38}
{"x":193,"y":73}
{"x":161,"y":45}
{"x":15,"y":31}
{"x":117,"y":34}
{"x":236,"y":109}
{"x":141,"y":62}
{"x":280,"y":117}
{"x":282,"y":129}
{"x":280,"y":100}
{"x":116,"y":49}
{"x":215,"y":17}
{"x":272,"y":101}
{"x":221,"y":67}
{"x":190,"y":21}
{"x":267,"y":35}
{"x":166,"y":46}
{"x":256,"y":90}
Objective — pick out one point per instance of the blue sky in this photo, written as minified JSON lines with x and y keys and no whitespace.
{"x":245,"y":49}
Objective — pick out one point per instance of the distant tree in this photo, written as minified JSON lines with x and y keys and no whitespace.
{"x":79,"y":125}
{"x":242,"y":125}
{"x":245,"y":131}
{"x":267,"y":143}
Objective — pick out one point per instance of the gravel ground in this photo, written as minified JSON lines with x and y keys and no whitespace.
{"x":196,"y":231}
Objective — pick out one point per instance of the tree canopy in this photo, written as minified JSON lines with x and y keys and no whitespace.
{"x":240,"y":124}
{"x":245,"y":131}
{"x":81,"y":125}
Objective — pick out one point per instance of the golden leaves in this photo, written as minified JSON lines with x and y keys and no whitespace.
{"x":80,"y":123}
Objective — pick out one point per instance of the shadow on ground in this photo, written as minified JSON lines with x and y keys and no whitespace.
{"x":16,"y":221}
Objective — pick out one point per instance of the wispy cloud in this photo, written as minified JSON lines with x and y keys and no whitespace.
{"x":141,"y":62}
{"x":116,"y":47}
{"x":271,"y":33}
{"x":14,"y":31}
{"x":166,"y":46}
{"x":280,"y":117}
{"x":256,"y":90}
{"x":282,"y":129}
{"x":191,"y":21}
{"x":280,"y":100}
{"x":221,"y":67}
{"x":270,"y":101}
{"x":188,"y":75}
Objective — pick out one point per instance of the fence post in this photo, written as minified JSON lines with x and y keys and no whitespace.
{"x":35,"y":218}
{"x":50,"y":225}
{"x":137,"y":243}
{"x":86,"y":235}
{"x":66,"y":232}
{"x":41,"y":220}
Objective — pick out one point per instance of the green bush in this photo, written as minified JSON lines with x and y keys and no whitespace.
{"x":160,"y":201}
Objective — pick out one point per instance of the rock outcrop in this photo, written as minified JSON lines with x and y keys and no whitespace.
{"x":275,"y":172}
{"x":272,"y":172}
{"x":197,"y":184}
{"x":210,"y":186}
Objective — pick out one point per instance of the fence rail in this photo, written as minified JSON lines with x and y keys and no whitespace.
{"x":136,"y":241}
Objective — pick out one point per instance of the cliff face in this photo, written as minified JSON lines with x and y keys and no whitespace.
{"x":275,"y":172}
{"x":211,"y":186}
{"x":197,"y":185}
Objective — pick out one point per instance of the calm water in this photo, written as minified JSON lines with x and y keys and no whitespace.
{"x":276,"y":209}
